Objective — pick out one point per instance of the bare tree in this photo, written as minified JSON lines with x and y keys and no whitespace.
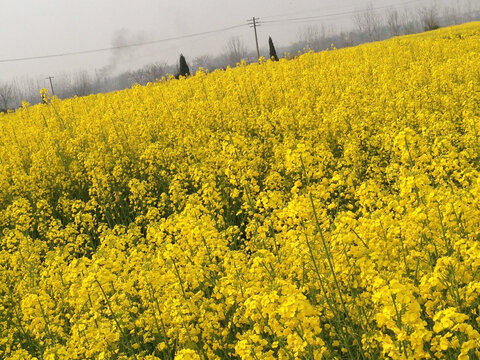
{"x":82,"y":84}
{"x":368,"y":22}
{"x":409,"y":23}
{"x":137,"y":77}
{"x":30,"y":89}
{"x":203,"y":61}
{"x":470,"y":12}
{"x":7,"y":95}
{"x":451,"y":16}
{"x":393,"y":22}
{"x":428,"y":16}
{"x":148,"y":73}
{"x":156,"y":71}
{"x":235,"y":51}
{"x":346,"y":39}
{"x":308,"y":36}
{"x":313,"y":37}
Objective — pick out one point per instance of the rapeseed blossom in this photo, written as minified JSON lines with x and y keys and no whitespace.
{"x":323,"y":207}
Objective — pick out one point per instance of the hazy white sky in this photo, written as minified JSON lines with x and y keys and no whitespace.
{"x":32,"y":28}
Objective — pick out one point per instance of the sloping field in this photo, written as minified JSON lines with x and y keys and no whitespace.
{"x":323,"y":207}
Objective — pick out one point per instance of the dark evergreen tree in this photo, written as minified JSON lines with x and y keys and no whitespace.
{"x":273,"y":52}
{"x":184,"y":70}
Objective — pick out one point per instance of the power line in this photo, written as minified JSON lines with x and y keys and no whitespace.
{"x":264,"y":22}
{"x":317,"y":17}
{"x":342,"y":13}
{"x":174,"y":47}
{"x":120,"y":46}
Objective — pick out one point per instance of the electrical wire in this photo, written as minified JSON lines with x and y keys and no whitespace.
{"x":260,"y":22}
{"x":120,"y":46}
{"x":174,"y":47}
{"x":318,"y":17}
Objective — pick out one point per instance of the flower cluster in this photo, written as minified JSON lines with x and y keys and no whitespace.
{"x":321,"y":207}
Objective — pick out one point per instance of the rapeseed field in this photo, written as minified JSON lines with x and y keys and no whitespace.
{"x":326,"y":207}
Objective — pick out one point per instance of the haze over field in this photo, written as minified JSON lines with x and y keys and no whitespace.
{"x":34,"y":28}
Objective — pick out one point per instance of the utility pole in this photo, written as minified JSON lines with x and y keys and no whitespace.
{"x":51,"y":84}
{"x":253,"y":23}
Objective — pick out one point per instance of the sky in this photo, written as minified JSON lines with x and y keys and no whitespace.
{"x":32,"y":28}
